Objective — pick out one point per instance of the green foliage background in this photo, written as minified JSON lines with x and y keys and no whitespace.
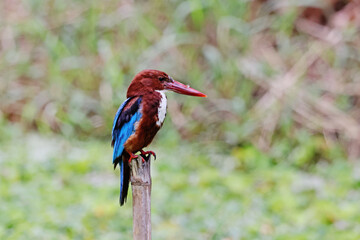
{"x":272,"y":153}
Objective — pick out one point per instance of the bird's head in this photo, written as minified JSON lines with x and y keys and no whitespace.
{"x":150,"y":80}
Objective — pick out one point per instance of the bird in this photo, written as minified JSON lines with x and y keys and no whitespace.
{"x":140,"y":117}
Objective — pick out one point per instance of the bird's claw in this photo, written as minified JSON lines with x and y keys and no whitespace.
{"x":148,"y":152}
{"x":133,"y":156}
{"x":144,"y":155}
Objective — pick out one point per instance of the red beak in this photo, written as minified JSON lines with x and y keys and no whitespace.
{"x":182,"y":89}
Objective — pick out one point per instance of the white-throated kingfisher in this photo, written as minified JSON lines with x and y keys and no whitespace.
{"x":140,"y":117}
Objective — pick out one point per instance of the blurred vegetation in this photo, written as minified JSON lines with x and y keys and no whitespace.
{"x":272,"y":153}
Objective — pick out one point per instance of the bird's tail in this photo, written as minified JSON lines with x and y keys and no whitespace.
{"x":124,"y":177}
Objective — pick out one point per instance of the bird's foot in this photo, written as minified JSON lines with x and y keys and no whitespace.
{"x":133,"y":156}
{"x":148,"y":152}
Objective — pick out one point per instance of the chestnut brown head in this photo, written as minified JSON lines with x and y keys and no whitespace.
{"x":148,"y":81}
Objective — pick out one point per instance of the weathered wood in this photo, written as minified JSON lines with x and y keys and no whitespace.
{"x":141,"y":195}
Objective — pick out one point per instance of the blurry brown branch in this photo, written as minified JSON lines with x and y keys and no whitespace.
{"x":319,"y":114}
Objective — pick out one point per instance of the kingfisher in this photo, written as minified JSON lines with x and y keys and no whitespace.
{"x":140,"y":117}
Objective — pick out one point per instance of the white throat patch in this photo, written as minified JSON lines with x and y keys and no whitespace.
{"x":162,"y":108}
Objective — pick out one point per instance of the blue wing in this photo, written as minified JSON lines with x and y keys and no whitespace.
{"x":124,"y":126}
{"x":118,"y":114}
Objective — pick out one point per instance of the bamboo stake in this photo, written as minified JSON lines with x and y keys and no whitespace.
{"x":141,"y":195}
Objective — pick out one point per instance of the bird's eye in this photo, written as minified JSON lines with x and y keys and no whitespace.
{"x":161,"y":79}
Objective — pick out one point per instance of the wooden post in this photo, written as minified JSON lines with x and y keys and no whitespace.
{"x":141,"y":195}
